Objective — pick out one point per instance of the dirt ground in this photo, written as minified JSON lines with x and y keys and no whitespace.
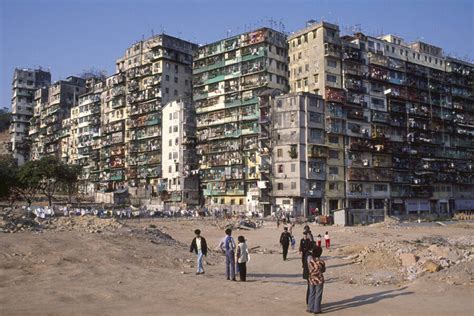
{"x":144,"y":267}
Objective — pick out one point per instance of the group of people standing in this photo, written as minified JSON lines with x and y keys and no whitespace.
{"x":233,"y":253}
{"x":310,"y":250}
{"x":313,"y":265}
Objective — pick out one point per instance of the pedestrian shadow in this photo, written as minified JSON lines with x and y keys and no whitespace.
{"x":339,"y":265}
{"x":361,"y":300}
{"x":270,"y":275}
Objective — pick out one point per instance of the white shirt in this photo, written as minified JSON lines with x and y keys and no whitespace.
{"x":198,"y":243}
{"x":326,"y":236}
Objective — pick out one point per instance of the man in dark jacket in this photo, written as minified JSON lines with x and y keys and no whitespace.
{"x":199,"y":246}
{"x":285,"y":240}
{"x":305,"y":245}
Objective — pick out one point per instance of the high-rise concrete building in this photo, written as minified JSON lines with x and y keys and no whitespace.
{"x":85,"y":134}
{"x":51,"y":120}
{"x":398,"y":120}
{"x":228,"y":77}
{"x":25,"y":82}
{"x":315,"y":67}
{"x":299,"y":167}
{"x":180,"y":178}
{"x":152,"y":73}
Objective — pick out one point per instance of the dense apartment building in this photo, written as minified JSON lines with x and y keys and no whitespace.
{"x":399,"y":122}
{"x":228,"y":76}
{"x":85,"y":132}
{"x":25,"y":82}
{"x":314,"y":69}
{"x":180,"y":178}
{"x":297,"y":172}
{"x":152,"y":73}
{"x":50,"y":124}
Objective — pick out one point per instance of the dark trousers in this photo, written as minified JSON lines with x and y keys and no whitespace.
{"x":243,"y":271}
{"x":315,"y":297}
{"x":285,"y":251}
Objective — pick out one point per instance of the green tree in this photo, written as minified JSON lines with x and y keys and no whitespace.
{"x":51,"y":173}
{"x":70,"y":179}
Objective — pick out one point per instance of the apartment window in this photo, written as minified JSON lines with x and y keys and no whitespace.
{"x":316,"y":134}
{"x":305,"y":82}
{"x":167,"y":78}
{"x":315,"y":117}
{"x":170,"y":156}
{"x":333,"y":170}
{"x":170,"y":169}
{"x":175,"y":129}
{"x":280,"y":169}
{"x":333,"y":139}
{"x":378,"y":103}
{"x":167,"y":90}
{"x":175,"y":92}
{"x":293,"y":185}
{"x":176,"y":68}
{"x":170,"y":143}
{"x":331,"y":78}
{"x":177,"y":167}
{"x":380,"y":187}
{"x":293,"y":167}
{"x":333,"y":154}
{"x":280,"y":186}
{"x":316,"y":78}
{"x":332,"y":63}
{"x":279,"y":152}
{"x":333,"y":186}
{"x":306,"y":67}
{"x":186,"y":82}
{"x":393,"y":49}
{"x":175,"y":79}
{"x":298,"y":83}
{"x":371,"y":44}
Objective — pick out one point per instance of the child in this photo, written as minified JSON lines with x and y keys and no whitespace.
{"x":242,"y":258}
{"x":328,"y":242}
{"x":318,"y":240}
{"x":316,"y":280}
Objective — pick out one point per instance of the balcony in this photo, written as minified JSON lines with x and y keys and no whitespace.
{"x":335,"y":95}
{"x":377,"y":59}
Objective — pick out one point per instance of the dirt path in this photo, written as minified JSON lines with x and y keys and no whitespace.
{"x":123,"y":273}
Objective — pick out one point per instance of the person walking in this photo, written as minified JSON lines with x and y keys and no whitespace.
{"x":199,"y":247}
{"x":227,"y":245}
{"x":316,"y":268}
{"x":242,"y":258}
{"x":327,"y":240}
{"x":305,"y":244}
{"x":285,"y":240}
{"x":310,"y":234}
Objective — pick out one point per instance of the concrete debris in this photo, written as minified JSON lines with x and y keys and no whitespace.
{"x":431,"y":266}
{"x":414,"y":258}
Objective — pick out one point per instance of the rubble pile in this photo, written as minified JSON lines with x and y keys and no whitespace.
{"x":12,"y":222}
{"x":89,"y":224}
{"x":416,"y":258}
{"x":157,"y":236}
{"x":239,"y":223}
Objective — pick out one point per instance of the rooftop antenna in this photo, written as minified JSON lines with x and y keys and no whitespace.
{"x":152,"y":33}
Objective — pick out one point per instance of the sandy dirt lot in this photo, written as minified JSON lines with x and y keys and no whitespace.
{"x":136,"y":267}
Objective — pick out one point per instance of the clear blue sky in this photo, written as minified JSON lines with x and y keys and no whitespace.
{"x":69,"y":36}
